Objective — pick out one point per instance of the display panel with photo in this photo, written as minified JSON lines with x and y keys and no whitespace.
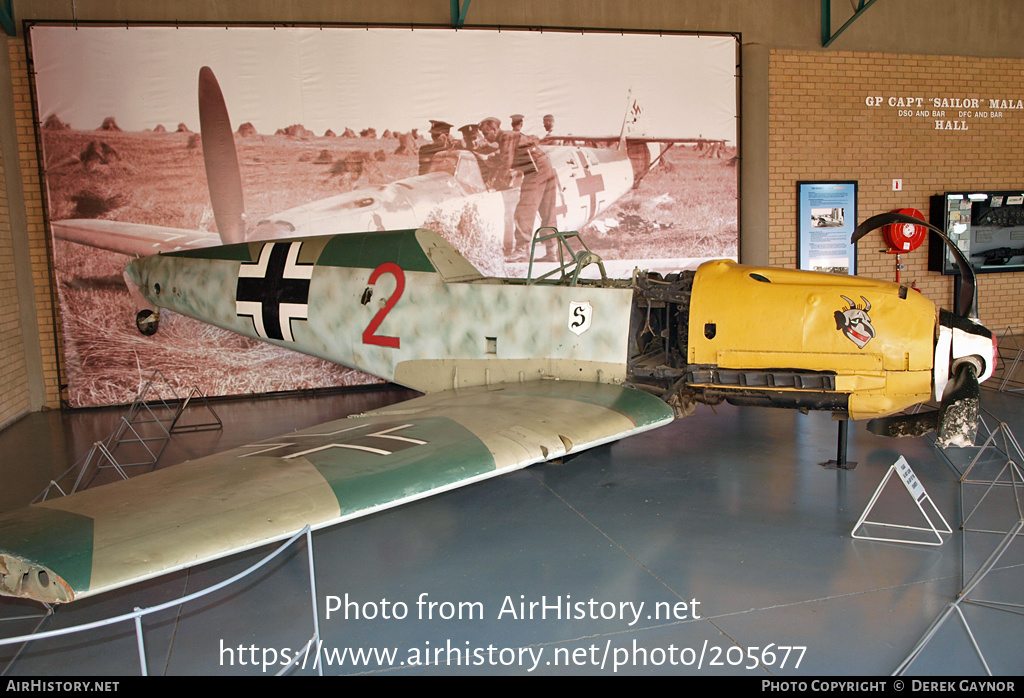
{"x":827,"y":218}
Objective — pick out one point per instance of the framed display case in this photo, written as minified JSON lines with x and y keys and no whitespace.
{"x":987,"y":226}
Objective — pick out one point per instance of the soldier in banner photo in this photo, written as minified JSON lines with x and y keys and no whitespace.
{"x":519,"y":153}
{"x":440,"y":139}
{"x":470,"y":137}
{"x":474,"y":140}
{"x":549,"y":129}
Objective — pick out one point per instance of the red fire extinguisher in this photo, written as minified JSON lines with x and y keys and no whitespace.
{"x":904,"y":237}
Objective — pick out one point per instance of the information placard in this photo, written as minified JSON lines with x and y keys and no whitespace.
{"x":827,"y":218}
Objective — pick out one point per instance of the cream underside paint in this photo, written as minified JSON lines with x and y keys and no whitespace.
{"x":431,"y":375}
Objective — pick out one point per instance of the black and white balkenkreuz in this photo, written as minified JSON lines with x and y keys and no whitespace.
{"x":274,"y":290}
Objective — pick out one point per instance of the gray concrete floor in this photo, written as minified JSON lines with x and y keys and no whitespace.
{"x":724,"y":526}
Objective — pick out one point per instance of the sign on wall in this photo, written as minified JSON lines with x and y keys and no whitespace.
{"x":827,"y":218}
{"x":948,"y":113}
{"x":340,"y":129}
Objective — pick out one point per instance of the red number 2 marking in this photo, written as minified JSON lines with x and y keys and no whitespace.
{"x":370,"y":335}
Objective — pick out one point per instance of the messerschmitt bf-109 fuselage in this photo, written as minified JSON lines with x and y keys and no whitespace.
{"x":407,"y":307}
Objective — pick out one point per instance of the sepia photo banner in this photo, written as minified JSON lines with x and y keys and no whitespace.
{"x":630,"y":138}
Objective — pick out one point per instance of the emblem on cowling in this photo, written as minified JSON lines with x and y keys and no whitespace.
{"x":581,"y":314}
{"x":853,"y":321}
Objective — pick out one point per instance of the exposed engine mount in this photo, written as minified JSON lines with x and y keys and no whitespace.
{"x":659,"y":330}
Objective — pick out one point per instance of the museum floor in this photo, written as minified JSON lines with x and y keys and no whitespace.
{"x":724,"y":526}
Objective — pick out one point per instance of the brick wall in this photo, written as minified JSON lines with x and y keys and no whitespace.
{"x":14,"y":397}
{"x":38,"y":249}
{"x":821,"y":127}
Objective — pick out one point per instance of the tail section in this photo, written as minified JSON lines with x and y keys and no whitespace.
{"x":644,"y":153}
{"x":631,"y":122}
{"x":222,"y":172}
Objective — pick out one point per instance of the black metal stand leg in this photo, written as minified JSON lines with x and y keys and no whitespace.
{"x":840,"y":461}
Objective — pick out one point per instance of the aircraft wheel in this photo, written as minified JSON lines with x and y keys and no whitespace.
{"x":147,"y":321}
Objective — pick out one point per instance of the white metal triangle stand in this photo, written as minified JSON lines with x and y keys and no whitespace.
{"x":1008,"y":371}
{"x":1016,"y":482}
{"x":1010,"y":450}
{"x":920,"y":497}
{"x":136,"y":435}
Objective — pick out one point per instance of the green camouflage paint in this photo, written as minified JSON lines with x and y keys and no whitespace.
{"x":448,"y":454}
{"x":60,"y":541}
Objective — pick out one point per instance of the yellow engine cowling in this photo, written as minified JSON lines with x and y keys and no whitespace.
{"x":860,"y":342}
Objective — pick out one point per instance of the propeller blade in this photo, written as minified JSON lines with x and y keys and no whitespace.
{"x":967,"y":279}
{"x":899,"y":425}
{"x":222,"y":173}
{"x":958,"y":413}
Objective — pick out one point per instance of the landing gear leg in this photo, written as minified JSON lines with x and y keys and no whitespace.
{"x":147,"y":321}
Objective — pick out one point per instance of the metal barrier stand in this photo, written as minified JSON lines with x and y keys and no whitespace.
{"x":138,"y":614}
{"x":1018,"y":355}
{"x":1013,"y":455}
{"x":133,"y":430}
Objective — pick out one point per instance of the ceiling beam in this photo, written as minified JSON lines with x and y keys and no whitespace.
{"x":827,"y":37}
{"x":7,"y":16}
{"x":459,"y":15}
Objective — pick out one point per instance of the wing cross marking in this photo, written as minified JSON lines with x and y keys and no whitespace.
{"x":382,"y":442}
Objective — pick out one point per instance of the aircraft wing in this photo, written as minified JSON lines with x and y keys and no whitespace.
{"x":133,"y":239}
{"x":112,"y":536}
